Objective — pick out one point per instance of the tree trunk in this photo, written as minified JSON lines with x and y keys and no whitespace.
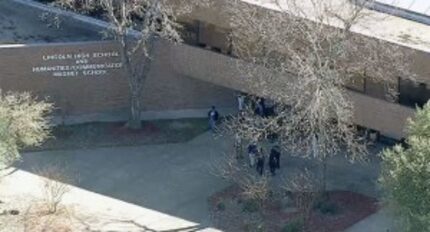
{"x":323,"y":160}
{"x":324,"y":176}
{"x":134,"y":121}
{"x":136,"y":65}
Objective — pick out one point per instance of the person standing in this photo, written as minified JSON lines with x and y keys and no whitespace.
{"x":275,"y":152}
{"x":240,"y":102}
{"x":260,"y":162}
{"x":259,"y":110}
{"x":238,"y":146}
{"x":213,"y":116}
{"x":273,"y":162}
{"x":252,"y":150}
{"x":263,"y":105}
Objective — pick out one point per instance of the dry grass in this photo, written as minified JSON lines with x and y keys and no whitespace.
{"x":40,"y":218}
{"x":53,"y":187}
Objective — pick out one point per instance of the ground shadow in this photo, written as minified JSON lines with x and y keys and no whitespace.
{"x":175,"y":178}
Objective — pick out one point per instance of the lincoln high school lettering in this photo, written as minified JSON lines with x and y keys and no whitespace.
{"x":79,"y":64}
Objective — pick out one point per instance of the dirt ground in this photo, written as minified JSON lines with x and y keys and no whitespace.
{"x":112,"y":134}
{"x":342,"y":209}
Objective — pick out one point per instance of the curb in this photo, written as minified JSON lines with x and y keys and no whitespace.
{"x":146,"y":116}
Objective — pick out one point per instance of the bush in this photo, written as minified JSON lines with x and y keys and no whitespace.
{"x":405,"y":175}
{"x":220,"y":206}
{"x":250,"y":206}
{"x":295,"y":225}
{"x":326,"y":207}
{"x":254,"y":227}
{"x":23,"y":123}
{"x":54,"y":186}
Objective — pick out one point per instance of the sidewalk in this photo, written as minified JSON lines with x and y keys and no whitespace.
{"x":144,"y":188}
{"x":122,"y":115}
{"x":95,"y":211}
{"x":381,"y":221}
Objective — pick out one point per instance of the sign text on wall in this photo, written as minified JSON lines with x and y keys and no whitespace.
{"x":79,"y":64}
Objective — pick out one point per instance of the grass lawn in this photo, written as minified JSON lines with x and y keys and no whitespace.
{"x":106,"y":134}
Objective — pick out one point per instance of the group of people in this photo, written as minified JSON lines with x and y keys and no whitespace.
{"x":257,"y":159}
{"x":260,"y":106}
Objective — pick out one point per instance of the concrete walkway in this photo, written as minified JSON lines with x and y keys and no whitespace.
{"x":88,"y":211}
{"x":378,"y":222}
{"x":122,"y":115}
{"x":173,"y":181}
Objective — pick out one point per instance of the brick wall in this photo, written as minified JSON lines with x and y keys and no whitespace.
{"x":388,"y":118}
{"x":164,"y":89}
{"x":181,"y":77}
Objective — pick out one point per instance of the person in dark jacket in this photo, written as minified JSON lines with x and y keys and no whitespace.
{"x":273,"y":162}
{"x":275,"y":152}
{"x":260,"y":162}
{"x":213,"y":117}
{"x":259,"y":108}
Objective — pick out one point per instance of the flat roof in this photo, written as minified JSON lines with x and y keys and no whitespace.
{"x":417,"y":6}
{"x":20,"y":24}
{"x":415,"y":10}
{"x":375,"y":24}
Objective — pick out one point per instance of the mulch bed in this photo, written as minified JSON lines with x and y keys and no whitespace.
{"x":109,"y":134}
{"x":351,"y":208}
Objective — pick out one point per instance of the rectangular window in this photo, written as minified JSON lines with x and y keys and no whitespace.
{"x":412,"y":93}
{"x":370,"y":87}
{"x":376,"y":89}
{"x":189,"y":32}
{"x":356,"y":83}
{"x":214,"y":38}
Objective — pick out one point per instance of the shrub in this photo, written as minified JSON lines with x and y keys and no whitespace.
{"x":23,"y":122}
{"x":250,"y":206}
{"x":405,"y":175}
{"x":54,"y":186}
{"x":295,"y":225}
{"x":220,"y":206}
{"x":326,"y":207}
{"x":255,"y":226}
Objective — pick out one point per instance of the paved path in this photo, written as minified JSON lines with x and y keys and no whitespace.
{"x":176,"y":179}
{"x":173,"y":178}
{"x":86,"y":211}
{"x":121,"y":115}
{"x":378,"y":222}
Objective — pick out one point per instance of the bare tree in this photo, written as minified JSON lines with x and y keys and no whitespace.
{"x":54,"y":185}
{"x":136,"y":24}
{"x":237,"y":170}
{"x":304,"y":191}
{"x":302,"y":55}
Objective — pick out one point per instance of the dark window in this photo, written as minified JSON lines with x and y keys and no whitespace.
{"x":377,"y":89}
{"x":206,"y":35}
{"x":412,"y":93}
{"x":189,"y":32}
{"x":366,"y":85}
{"x":357,"y":83}
{"x":214,"y":38}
